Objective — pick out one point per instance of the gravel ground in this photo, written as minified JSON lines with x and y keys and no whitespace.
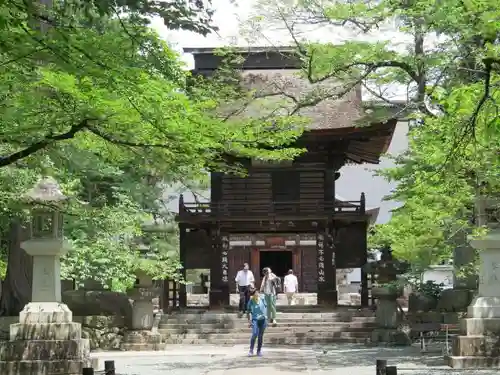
{"x":332,"y":360}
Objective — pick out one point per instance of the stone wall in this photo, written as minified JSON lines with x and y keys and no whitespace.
{"x":104,"y":332}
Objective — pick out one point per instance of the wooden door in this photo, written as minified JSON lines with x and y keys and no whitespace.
{"x":297,"y":266}
{"x":255,"y":266}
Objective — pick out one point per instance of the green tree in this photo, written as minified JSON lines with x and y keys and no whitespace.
{"x":102,"y":104}
{"x":449,"y":64}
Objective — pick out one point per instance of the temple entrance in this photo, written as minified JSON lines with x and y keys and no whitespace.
{"x":279,"y":261}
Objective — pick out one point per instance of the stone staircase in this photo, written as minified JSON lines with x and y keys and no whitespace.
{"x":295,"y":327}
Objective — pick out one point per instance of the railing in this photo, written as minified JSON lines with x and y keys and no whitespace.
{"x":266,"y":208}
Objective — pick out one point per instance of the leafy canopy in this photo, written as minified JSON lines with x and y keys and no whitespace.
{"x":447,"y":62}
{"x":99,"y":101}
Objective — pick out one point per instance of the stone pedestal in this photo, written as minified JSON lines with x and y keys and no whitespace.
{"x":387,"y":318}
{"x":328,"y":297}
{"x":478,"y":343}
{"x":46,"y":340}
{"x":219,"y":296}
{"x":142,"y":335}
{"x":459,"y":298}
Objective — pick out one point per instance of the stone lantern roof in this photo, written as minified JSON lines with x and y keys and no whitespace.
{"x":46,"y":190}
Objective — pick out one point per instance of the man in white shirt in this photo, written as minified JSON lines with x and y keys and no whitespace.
{"x":291,"y":285}
{"x":244,"y":281}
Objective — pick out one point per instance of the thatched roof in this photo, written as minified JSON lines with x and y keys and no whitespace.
{"x":326,"y":105}
{"x":279,"y":88}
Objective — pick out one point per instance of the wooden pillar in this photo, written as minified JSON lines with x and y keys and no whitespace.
{"x":165,"y":296}
{"x":329,"y":181}
{"x":219,"y":267}
{"x":255,"y":264}
{"x":364,"y":275}
{"x":364,"y":288}
{"x":215,"y":191}
{"x":216,"y":186}
{"x":327,"y":288}
{"x":182,"y":257}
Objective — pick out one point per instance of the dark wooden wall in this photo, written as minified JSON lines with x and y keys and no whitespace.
{"x":262,"y":187}
{"x":312,"y":190}
{"x":196,"y":250}
{"x":351,"y":245}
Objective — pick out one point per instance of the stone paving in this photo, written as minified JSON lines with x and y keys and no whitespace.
{"x":325,"y":360}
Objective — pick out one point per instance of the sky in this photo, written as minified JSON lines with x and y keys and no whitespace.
{"x":233,"y":21}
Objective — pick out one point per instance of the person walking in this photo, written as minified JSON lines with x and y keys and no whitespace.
{"x":268,"y":287}
{"x":244,"y":281}
{"x":257,"y":320}
{"x":291,"y":286}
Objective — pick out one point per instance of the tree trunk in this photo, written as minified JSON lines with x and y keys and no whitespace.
{"x":16,"y":289}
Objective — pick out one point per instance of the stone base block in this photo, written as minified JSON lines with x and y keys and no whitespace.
{"x":327,"y":297}
{"x":482,"y":346}
{"x":44,"y":350}
{"x":452,"y":300}
{"x":219,"y":297}
{"x":40,"y":331}
{"x":59,"y":367}
{"x":479,"y":327}
{"x":390,"y":336}
{"x":136,"y":347}
{"x":484,"y":307}
{"x":473,"y":362}
{"x":45,"y":312}
{"x":142,"y":340}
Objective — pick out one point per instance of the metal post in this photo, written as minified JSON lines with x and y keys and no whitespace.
{"x":381,"y":366}
{"x":391,"y":370}
{"x":109,"y":367}
{"x":87,"y":371}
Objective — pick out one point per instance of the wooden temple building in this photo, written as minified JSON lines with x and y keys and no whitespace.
{"x":285,"y":216}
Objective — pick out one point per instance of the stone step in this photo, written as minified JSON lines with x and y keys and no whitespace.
{"x":473,"y":362}
{"x":282,"y":324}
{"x":468,"y":346}
{"x":44,"y":350}
{"x":292,"y":312}
{"x":279,"y":317}
{"x":54,"y":367}
{"x":246,"y":330}
{"x":270,"y":335}
{"x":268,"y":341}
{"x":140,"y":347}
{"x":283,"y":309}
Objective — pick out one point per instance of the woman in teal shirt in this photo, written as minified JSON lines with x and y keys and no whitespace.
{"x":257,"y":320}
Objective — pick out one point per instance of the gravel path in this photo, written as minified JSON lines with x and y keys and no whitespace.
{"x":330,"y":360}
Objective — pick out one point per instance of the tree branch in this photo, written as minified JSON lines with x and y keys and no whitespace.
{"x":488,"y":63}
{"x":116,"y":141}
{"x":47,"y":141}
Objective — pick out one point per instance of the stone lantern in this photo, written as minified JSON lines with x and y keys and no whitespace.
{"x":46,"y":340}
{"x":46,"y":245}
{"x":141,"y":335}
{"x":477,"y":346}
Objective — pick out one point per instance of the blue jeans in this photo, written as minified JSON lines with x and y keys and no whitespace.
{"x":258,"y":328}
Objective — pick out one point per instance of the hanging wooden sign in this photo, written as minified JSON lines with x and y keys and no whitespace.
{"x":275,"y":242}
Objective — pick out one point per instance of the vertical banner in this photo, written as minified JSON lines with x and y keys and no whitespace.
{"x":224,"y":258}
{"x":320,"y":248}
